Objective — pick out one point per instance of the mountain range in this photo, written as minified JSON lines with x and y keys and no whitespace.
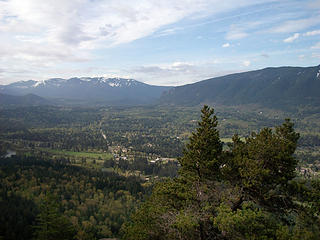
{"x":270,"y":87}
{"x":93,"y":90}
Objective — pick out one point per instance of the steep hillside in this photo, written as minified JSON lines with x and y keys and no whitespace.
{"x":270,"y":87}
{"x":26,"y":100}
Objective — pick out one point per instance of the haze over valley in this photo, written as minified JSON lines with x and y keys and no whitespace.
{"x":159,"y":119}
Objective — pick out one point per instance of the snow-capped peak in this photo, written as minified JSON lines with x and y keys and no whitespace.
{"x":100,"y":81}
{"x":86,"y":79}
{"x":112,"y":82}
{"x":121,"y":82}
{"x":38,"y":83}
{"x":53,"y":82}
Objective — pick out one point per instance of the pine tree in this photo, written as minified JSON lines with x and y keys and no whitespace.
{"x":202,"y":156}
{"x":246,"y":192}
{"x":181,"y":208}
{"x":200,"y":169}
{"x":262,"y":166}
{"x":51,"y":224}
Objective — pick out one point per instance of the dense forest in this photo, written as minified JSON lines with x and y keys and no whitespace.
{"x":159,"y":120}
{"x":94,"y":204}
{"x":250,"y":191}
{"x":121,"y":172}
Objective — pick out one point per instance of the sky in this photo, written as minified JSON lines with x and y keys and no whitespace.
{"x":159,"y":42}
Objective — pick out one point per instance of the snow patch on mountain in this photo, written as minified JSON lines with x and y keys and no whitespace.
{"x":39,"y":83}
{"x":86,"y":79}
{"x":113,"y":84}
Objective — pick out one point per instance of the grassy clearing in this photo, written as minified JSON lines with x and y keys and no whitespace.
{"x":91,"y":155}
{"x":93,"y":160}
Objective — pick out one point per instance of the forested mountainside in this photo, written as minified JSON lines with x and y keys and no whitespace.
{"x":26,"y":100}
{"x":271,"y":87}
{"x":282,"y":87}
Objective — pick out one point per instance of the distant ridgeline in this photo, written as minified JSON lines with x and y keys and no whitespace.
{"x":115,"y":91}
{"x":271,"y":87}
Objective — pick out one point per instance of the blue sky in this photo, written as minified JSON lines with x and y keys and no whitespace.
{"x":161,"y":42}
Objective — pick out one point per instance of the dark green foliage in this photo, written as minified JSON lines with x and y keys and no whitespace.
{"x":202,"y":155}
{"x":93,"y":203}
{"x":249,"y":222}
{"x":18,"y":215}
{"x":51,"y":224}
{"x":264,"y":87}
{"x":179,"y":208}
{"x":192,"y":206}
{"x":80,"y":129}
{"x":157,"y":131}
{"x":246,"y":192}
{"x":262,"y":165}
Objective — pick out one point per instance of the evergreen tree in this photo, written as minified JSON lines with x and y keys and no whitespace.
{"x":182,"y":208}
{"x":202,"y":156}
{"x":246,"y":192}
{"x":262,"y":166}
{"x":200,"y":171}
{"x":51,"y":224}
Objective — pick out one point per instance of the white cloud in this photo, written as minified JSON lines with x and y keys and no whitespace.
{"x":87,"y":24}
{"x":236,"y":33}
{"x":77,"y":22}
{"x":179,"y":73}
{"x":40,"y":36}
{"x":295,"y":25}
{"x":167,"y":32}
{"x":226,"y":45}
{"x":312,"y":33}
{"x":292,"y":38}
{"x":246,"y":63}
{"x":244,"y":29}
{"x":173,"y":68}
{"x":175,"y":73}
